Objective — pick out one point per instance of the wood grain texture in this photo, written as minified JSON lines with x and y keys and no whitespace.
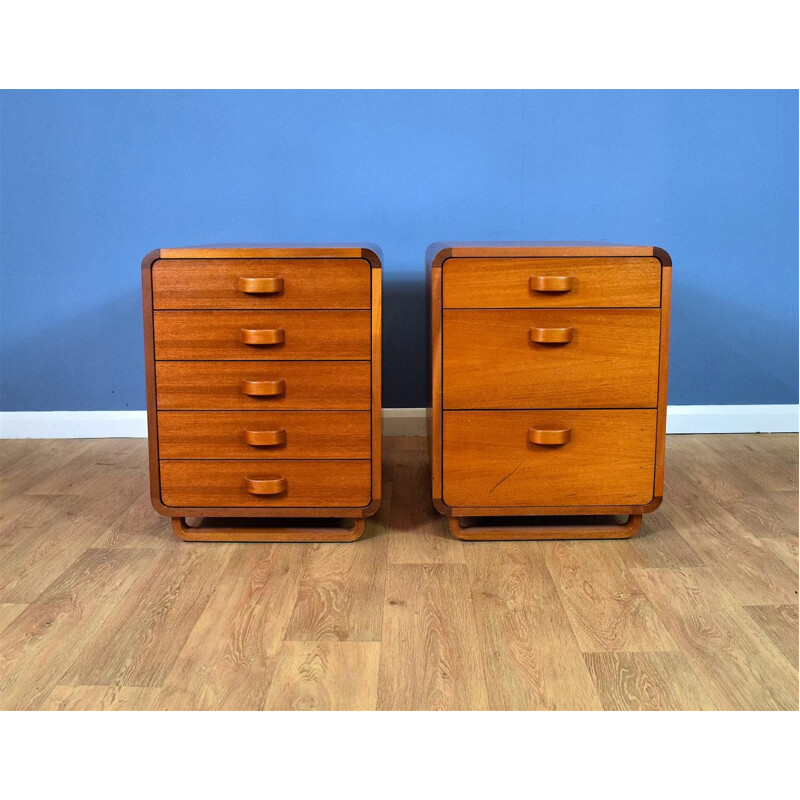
{"x":119,"y":613}
{"x":311,"y":314}
{"x":101,"y":698}
{"x":438,"y":252}
{"x":490,"y":361}
{"x":489,"y":459}
{"x":737,"y":663}
{"x":40,"y":643}
{"x":216,"y":385}
{"x":545,"y":325}
{"x":327,"y":484}
{"x":144,"y":633}
{"x":305,"y":434}
{"x":607,"y":608}
{"x":530,"y":654}
{"x":267,"y":529}
{"x":428,"y":612}
{"x":9,"y":612}
{"x":663,"y":376}
{"x":304,"y":335}
{"x":647,"y":682}
{"x":229,"y":658}
{"x":376,"y":385}
{"x":492,"y":529}
{"x":592,"y":282}
{"x":325,"y":676}
{"x":307,"y":283}
{"x":757,"y":575}
{"x":785,"y":549}
{"x":652,"y":548}
{"x":340,"y":596}
{"x":417,"y":533}
{"x":780,"y":623}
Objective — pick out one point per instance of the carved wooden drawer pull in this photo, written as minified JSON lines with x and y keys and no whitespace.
{"x":263,"y":337}
{"x":551,"y":283}
{"x":261,"y":285}
{"x":549,"y":436}
{"x":551,"y":335}
{"x":265,"y":438}
{"x":263,"y":388}
{"x":270,"y":485}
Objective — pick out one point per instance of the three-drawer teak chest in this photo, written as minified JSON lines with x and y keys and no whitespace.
{"x":548,"y":387}
{"x":263,"y":371}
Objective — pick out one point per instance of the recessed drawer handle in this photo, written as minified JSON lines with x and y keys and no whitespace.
{"x":265,"y":438}
{"x":261,"y":337}
{"x":549,"y":436}
{"x":261,"y":285}
{"x":263,"y":388}
{"x":270,"y":485}
{"x":551,"y":335}
{"x":551,"y":283}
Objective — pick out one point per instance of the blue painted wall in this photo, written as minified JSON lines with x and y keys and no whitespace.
{"x":93,"y":180}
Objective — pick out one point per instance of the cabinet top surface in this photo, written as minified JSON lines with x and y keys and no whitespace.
{"x":438,"y":252}
{"x":369,"y":252}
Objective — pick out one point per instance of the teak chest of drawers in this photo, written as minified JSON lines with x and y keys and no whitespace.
{"x":548,"y":386}
{"x":263,"y":388}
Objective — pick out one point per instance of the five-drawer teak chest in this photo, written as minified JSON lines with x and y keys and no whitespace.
{"x":263,"y":371}
{"x":548,"y":387}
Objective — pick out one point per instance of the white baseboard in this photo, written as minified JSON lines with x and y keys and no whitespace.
{"x":396,"y":422}
{"x":733,"y":419}
{"x":72,"y":424}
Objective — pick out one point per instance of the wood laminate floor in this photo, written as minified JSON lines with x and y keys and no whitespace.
{"x":101,"y":607}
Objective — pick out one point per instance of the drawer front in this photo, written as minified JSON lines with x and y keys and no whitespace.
{"x":262,"y":335}
{"x":549,"y":458}
{"x":550,"y":359}
{"x":234,"y":385}
{"x":264,"y":434}
{"x":261,"y":283}
{"x":267,"y":484}
{"x":551,"y":282}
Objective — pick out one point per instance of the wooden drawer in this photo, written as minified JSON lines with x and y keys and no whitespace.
{"x":277,"y":483}
{"x":264,"y":434}
{"x":261,"y":283}
{"x":551,"y":282}
{"x":491,"y":459}
{"x":233,"y":385}
{"x":491,"y":358}
{"x":263,"y":335}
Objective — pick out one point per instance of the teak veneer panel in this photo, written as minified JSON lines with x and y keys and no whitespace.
{"x":489,"y":459}
{"x":297,"y":434}
{"x":540,"y":327}
{"x":304,"y":335}
{"x":216,"y":385}
{"x":611,"y":360}
{"x":264,"y":357}
{"x":309,"y":484}
{"x":506,"y":282}
{"x":307,"y":283}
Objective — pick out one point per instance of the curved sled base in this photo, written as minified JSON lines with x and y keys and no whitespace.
{"x":347,"y":532}
{"x":476,"y":529}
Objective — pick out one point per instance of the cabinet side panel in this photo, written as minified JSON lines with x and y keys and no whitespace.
{"x":663,"y":369}
{"x":150,"y":375}
{"x":377,"y":403}
{"x":436,"y":383}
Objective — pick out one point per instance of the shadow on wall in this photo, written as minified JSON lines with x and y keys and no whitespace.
{"x":99,"y":354}
{"x":404,"y":342}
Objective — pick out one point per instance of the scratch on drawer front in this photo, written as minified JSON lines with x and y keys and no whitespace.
{"x":507,"y":476}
